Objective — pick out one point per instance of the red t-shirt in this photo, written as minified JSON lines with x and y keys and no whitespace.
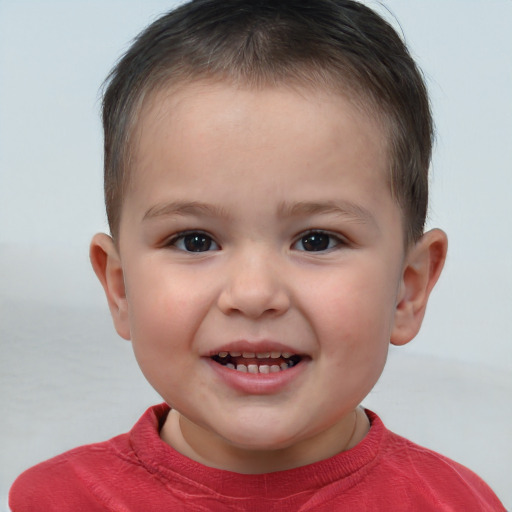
{"x":137,"y":471}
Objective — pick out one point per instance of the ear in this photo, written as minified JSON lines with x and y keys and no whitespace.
{"x":422,"y":268}
{"x":107,"y":266}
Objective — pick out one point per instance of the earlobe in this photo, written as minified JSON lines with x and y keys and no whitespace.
{"x":106,"y":263}
{"x":422,"y":268}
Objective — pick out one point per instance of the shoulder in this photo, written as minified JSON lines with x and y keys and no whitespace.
{"x":68,"y":480}
{"x":431,"y":477}
{"x":89,"y":477}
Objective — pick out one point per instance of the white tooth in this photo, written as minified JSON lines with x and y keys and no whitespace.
{"x":235,"y":354}
{"x":275,"y":355}
{"x":248,"y":355}
{"x":284,"y":366}
{"x":275,"y":368}
{"x":223,"y":354}
{"x":231,"y":366}
{"x":241,"y":368}
{"x":287,"y":354}
{"x":252,"y":368}
{"x":264,"y":368}
{"x":263,"y":355}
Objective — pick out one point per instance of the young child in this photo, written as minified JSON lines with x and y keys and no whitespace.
{"x":266,"y":188}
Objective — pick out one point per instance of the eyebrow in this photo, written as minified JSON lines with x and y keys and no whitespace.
{"x":184,"y":208}
{"x":347,"y":209}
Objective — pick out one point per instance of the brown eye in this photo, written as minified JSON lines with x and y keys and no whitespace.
{"x":195,"y":242}
{"x":316,"y":241}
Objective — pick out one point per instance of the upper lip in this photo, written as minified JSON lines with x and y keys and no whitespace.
{"x":256,"y":347}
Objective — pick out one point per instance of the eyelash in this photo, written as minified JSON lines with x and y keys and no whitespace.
{"x":181,"y":237}
{"x":331,"y":240}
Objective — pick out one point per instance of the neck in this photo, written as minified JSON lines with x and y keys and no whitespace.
{"x":210,"y":450}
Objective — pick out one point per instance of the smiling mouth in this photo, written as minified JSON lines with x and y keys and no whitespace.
{"x":264,"y":362}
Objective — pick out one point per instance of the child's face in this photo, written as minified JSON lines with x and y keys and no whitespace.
{"x":260,"y":222}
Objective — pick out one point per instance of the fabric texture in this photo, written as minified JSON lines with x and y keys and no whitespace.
{"x":137,"y":471}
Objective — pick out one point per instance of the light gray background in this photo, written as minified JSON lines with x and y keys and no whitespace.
{"x":66,"y":379}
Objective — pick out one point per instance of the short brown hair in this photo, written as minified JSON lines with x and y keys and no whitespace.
{"x":339,"y":44}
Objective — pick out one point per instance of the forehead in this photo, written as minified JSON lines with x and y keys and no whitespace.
{"x":185,"y":115}
{"x":253,"y":154}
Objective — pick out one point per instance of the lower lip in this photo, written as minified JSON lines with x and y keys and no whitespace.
{"x":258,"y":383}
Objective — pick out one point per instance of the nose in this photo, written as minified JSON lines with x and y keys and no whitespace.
{"x":255,"y":286}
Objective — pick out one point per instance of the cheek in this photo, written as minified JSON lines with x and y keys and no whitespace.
{"x":162,"y":340}
{"x":354,"y":315}
{"x":165,"y":311}
{"x":160,"y":295}
{"x":166,"y":315}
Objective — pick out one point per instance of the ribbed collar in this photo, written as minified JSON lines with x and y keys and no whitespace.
{"x":187,"y":476}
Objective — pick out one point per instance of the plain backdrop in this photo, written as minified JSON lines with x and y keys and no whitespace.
{"x":66,"y":378}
